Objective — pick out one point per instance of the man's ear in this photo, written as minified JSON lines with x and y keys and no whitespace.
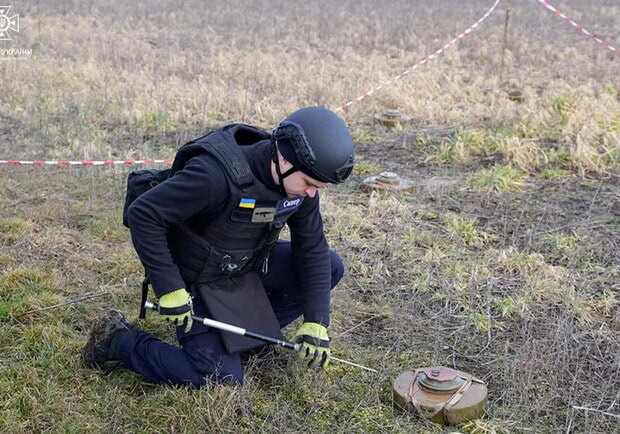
{"x":284,"y":163}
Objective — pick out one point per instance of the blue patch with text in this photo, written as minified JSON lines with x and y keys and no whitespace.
{"x":288,"y":205}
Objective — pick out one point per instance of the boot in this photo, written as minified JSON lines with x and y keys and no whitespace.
{"x":106,"y":339}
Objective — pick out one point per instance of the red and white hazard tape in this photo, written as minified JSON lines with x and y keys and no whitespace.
{"x":577,"y":26}
{"x":82,"y":163}
{"x":421,"y":62}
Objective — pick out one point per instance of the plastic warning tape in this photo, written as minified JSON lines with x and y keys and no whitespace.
{"x":577,"y":26}
{"x":421,"y":62}
{"x":82,"y":163}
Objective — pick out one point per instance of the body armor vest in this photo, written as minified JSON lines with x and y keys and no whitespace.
{"x":219,"y":260}
{"x":239,"y":239}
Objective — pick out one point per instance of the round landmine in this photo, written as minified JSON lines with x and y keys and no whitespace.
{"x":516,"y":96}
{"x":441,"y":395}
{"x":392,"y":118}
{"x":388,"y":181}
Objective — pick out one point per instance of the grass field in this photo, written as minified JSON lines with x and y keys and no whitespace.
{"x":503,"y":262}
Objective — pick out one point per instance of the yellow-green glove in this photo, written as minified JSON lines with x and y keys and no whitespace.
{"x":315,"y":343}
{"x":176,"y":306}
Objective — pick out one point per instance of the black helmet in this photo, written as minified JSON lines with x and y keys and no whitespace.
{"x":322,"y":144}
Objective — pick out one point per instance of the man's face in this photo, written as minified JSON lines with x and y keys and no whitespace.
{"x":300,"y":184}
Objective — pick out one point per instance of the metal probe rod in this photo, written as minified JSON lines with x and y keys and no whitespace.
{"x":346,"y":362}
{"x":254,"y":335}
{"x":236,"y":330}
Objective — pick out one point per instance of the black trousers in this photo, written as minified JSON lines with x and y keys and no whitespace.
{"x":202,"y":357}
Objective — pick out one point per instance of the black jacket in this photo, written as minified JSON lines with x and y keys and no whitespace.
{"x":199,"y":193}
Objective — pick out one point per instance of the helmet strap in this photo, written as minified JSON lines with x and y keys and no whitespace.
{"x":281,"y":176}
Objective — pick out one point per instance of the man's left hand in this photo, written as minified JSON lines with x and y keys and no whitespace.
{"x":315,"y":343}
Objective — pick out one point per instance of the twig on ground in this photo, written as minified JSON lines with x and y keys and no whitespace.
{"x":614,"y":403}
{"x":76,"y":300}
{"x":596,"y":410}
{"x":489,"y":323}
{"x":598,"y":190}
{"x":30,"y":199}
{"x":357,"y":325}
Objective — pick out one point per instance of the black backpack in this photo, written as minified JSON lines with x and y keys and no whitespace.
{"x":139,"y":182}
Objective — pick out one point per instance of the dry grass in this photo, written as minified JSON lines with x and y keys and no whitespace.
{"x":115,"y":79}
{"x":503,"y":262}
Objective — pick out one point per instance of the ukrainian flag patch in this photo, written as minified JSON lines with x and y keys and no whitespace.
{"x":247,"y":203}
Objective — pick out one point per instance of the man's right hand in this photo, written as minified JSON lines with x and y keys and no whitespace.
{"x":176,"y":306}
{"x":314,"y":343}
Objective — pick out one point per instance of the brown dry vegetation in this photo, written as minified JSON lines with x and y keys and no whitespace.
{"x":503,"y":262}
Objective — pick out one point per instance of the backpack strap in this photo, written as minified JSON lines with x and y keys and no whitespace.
{"x":145,"y":293}
{"x":234,"y":162}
